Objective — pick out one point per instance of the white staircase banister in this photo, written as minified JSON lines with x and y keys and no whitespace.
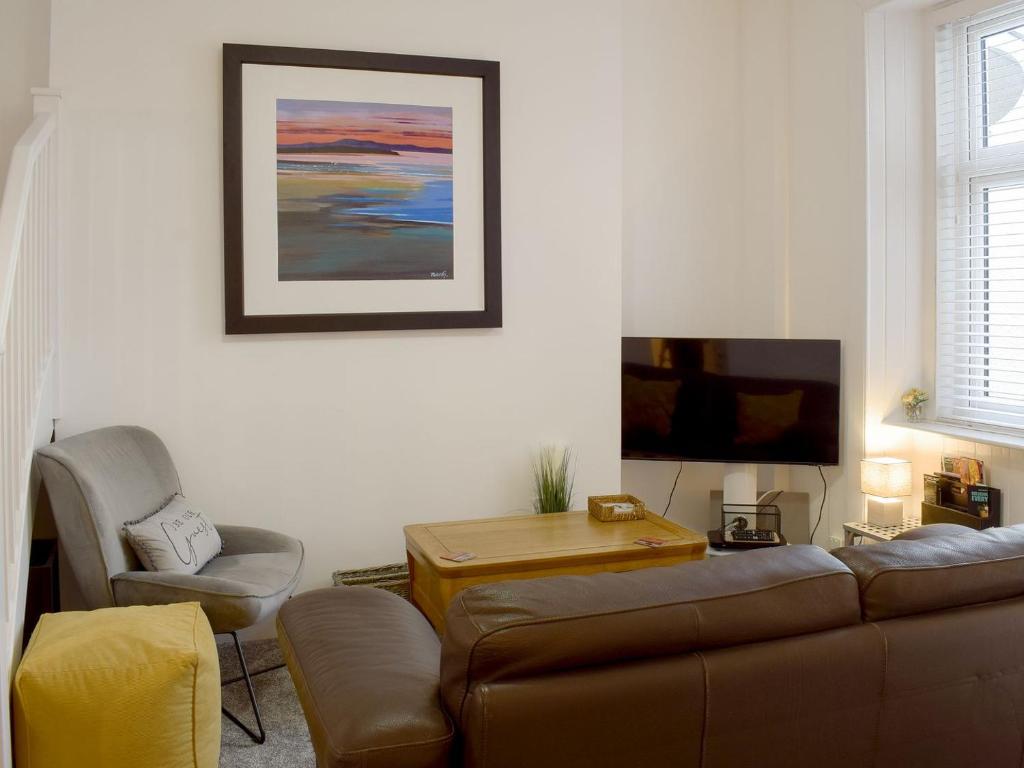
{"x":29,"y":370}
{"x":14,"y":205}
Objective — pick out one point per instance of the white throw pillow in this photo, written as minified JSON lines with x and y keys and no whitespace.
{"x":177,"y":537}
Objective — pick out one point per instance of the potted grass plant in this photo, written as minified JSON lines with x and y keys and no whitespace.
{"x":553,"y":476}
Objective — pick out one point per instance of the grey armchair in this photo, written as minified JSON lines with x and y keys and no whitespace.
{"x":99,"y":480}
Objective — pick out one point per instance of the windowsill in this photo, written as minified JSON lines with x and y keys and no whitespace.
{"x":969,"y":434}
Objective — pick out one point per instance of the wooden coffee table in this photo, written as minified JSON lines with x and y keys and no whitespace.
{"x":531,"y":546}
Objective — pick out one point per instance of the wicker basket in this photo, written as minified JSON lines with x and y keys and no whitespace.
{"x":394,"y":578}
{"x":601,"y":509}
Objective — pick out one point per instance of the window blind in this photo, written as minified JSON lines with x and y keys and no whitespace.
{"x":979,"y":79}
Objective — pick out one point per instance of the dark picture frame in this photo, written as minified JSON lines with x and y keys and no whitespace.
{"x":237,"y":321}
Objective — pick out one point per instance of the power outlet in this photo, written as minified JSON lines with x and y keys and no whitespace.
{"x":834,"y":541}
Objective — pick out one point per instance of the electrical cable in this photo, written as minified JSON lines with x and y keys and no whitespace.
{"x":673,"y":491}
{"x":824,"y":495}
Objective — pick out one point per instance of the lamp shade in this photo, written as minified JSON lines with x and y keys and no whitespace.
{"x":886,"y":477}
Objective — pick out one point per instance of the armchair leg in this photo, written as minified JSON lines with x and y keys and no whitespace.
{"x":262,"y":735}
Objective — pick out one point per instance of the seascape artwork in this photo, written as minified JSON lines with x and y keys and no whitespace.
{"x":364,"y":191}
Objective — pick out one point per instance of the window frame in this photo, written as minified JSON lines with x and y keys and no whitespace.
{"x":977,"y":167}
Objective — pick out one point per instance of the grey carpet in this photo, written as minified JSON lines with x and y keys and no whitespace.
{"x":287,"y":744}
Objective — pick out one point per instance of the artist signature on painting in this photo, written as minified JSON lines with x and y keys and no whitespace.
{"x":443,"y":275}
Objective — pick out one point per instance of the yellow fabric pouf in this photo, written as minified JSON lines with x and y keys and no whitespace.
{"x":117,"y":687}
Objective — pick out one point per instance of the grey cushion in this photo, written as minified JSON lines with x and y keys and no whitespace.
{"x":257,"y":571}
{"x":177,"y":537}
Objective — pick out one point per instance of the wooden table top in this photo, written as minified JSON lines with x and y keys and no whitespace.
{"x":546,"y":541}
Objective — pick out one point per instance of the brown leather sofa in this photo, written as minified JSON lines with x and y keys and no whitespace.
{"x":903,"y":654}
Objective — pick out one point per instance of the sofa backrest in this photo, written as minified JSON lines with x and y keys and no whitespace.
{"x":758,"y":659}
{"x":97,"y":481}
{"x":541,"y":626}
{"x":651,"y":667}
{"x":902,"y":578}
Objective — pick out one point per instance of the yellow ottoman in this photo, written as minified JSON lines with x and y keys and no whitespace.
{"x":119,"y":687}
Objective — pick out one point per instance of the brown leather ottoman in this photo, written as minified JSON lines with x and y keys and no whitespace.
{"x":366,"y":665}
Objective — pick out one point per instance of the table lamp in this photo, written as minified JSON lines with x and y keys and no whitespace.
{"x":884,"y":481}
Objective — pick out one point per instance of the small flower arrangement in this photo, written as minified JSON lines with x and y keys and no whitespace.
{"x":913,"y":400}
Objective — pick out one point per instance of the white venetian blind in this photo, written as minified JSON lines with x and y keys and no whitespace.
{"x":980,"y":219}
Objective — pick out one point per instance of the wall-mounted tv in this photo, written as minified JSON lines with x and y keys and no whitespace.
{"x":755,"y":401}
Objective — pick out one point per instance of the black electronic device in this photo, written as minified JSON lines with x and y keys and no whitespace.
{"x":749,"y":526}
{"x":755,"y":535}
{"x":717,"y":540}
{"x":750,"y":401}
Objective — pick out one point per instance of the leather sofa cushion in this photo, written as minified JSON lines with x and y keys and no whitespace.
{"x":932,"y":531}
{"x":522,"y":628}
{"x":365,"y":665}
{"x":900,"y":578}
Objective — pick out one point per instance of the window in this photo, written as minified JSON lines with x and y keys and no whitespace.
{"x":980,"y":220}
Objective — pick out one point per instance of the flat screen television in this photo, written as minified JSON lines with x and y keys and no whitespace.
{"x":751,"y":401}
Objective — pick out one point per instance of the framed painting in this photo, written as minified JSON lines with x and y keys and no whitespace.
{"x":361,"y":191}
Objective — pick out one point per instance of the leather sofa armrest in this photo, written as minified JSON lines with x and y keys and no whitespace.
{"x":366,"y":666}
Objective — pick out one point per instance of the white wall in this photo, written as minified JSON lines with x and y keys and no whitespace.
{"x":730,"y":134}
{"x":682,"y":211}
{"x":24,"y":64}
{"x":901,"y":271}
{"x":340,"y":439}
{"x":744,"y":211}
{"x":757,"y":209}
{"x":828,"y":221}
{"x":703,"y":183}
{"x":901,"y":280}
{"x":682,"y":199}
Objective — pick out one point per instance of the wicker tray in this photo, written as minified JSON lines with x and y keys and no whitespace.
{"x":597,"y":505}
{"x":393,"y":578}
